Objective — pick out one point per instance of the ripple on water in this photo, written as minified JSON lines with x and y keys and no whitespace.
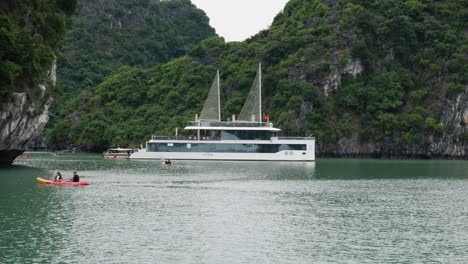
{"x":332,"y":211}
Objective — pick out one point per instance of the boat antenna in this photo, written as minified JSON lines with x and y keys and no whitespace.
{"x":260,"y":92}
{"x":219,"y":98}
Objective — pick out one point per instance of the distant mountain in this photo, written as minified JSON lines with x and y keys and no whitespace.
{"x":367,"y":78}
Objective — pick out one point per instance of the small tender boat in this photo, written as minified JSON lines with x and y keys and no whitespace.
{"x":44,"y":181}
{"x":118,"y":153}
{"x":167,"y":163}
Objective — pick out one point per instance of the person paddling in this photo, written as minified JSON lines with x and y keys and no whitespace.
{"x":75,"y":178}
{"x":167,"y":162}
{"x":58,"y":176}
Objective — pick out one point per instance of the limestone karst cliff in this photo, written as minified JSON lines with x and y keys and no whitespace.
{"x":30,"y":35}
{"x":367,"y":78}
{"x":23,"y":119}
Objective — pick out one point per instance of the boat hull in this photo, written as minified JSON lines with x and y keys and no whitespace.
{"x":286,"y":155}
{"x":280,"y":156}
{"x":116,"y":156}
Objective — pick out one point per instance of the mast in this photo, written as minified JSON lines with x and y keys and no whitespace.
{"x":260,"y":92}
{"x":219,"y":99}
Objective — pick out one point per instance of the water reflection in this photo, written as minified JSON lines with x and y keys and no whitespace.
{"x":26,"y":234}
{"x":348,"y":169}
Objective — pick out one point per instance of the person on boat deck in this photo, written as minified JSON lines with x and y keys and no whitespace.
{"x":58,"y":176}
{"x":75,"y":178}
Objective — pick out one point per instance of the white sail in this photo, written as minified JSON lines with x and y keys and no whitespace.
{"x":252,"y":110}
{"x":212,"y":107}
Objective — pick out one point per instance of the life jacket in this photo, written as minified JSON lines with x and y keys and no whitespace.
{"x":76,"y":178}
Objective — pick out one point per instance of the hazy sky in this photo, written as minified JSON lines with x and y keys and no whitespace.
{"x":237,"y":20}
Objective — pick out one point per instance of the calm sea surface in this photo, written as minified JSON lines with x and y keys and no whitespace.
{"x":330,"y":211}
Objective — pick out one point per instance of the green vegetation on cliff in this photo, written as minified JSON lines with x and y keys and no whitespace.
{"x":381,"y":71}
{"x":108,"y":34}
{"x":30,"y":34}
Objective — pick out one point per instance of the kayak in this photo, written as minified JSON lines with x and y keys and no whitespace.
{"x":44,"y":181}
{"x":167,"y":165}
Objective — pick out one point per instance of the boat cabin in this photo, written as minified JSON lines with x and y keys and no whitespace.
{"x":232,"y":130}
{"x":118,"y":153}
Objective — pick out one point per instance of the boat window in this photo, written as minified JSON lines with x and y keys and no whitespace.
{"x":237,"y":148}
{"x":245,"y":135}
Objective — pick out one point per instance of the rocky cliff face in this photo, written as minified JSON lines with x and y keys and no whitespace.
{"x":31,"y":32}
{"x":455,"y":116}
{"x":333,"y":81}
{"x":23,"y":118}
{"x":451,"y":145}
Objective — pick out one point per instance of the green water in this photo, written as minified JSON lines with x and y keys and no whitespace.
{"x":330,"y":211}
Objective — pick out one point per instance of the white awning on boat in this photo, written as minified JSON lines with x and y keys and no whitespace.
{"x":233,"y":128}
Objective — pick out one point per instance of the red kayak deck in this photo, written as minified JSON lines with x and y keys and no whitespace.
{"x":44,"y":181}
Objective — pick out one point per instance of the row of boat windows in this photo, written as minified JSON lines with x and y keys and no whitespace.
{"x":238,"y":148}
{"x":236,"y":134}
{"x":243,"y":134}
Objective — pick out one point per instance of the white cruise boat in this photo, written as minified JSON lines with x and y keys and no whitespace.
{"x":249,"y":138}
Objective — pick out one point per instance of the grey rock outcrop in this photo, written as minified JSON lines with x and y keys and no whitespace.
{"x":353,"y":67}
{"x":455,"y":118}
{"x":23,"y":118}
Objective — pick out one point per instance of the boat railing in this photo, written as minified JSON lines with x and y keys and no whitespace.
{"x":211,"y":123}
{"x":194,"y":138}
{"x":160,"y":137}
{"x":296,"y":138}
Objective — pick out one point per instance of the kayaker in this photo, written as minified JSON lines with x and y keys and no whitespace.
{"x":76,"y":178}
{"x":58,"y":176}
{"x":167,"y":162}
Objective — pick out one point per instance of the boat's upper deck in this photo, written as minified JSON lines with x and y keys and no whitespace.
{"x":230,"y":125}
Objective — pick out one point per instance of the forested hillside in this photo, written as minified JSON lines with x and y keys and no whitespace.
{"x":367,"y":78}
{"x":30,"y":34}
{"x":108,"y":34}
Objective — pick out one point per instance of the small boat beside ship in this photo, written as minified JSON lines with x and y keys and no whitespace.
{"x":249,"y":137}
{"x":118,"y":153}
{"x":167,"y":163}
